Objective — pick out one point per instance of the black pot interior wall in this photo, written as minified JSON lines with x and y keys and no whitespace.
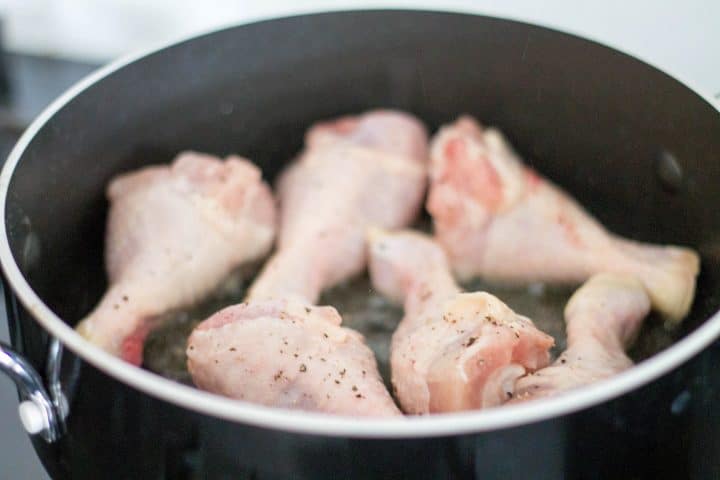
{"x":595,"y":121}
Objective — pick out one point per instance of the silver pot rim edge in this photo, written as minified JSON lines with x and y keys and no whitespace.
{"x":314,"y":423}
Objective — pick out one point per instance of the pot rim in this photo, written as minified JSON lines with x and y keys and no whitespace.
{"x":315,"y":423}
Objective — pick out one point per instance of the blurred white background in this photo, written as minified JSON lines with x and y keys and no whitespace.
{"x":683,"y":37}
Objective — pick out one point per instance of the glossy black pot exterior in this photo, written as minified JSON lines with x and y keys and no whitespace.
{"x":594,"y":120}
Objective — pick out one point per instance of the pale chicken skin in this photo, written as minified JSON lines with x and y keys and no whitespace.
{"x":174,"y":232}
{"x":452,"y":350}
{"x":498,"y":219}
{"x":603,"y":319}
{"x":283,"y":353}
{"x":355,"y":172}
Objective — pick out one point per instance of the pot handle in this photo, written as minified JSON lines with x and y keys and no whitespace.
{"x":39,"y":412}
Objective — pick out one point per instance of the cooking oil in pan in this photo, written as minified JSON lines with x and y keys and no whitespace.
{"x":368,"y":312}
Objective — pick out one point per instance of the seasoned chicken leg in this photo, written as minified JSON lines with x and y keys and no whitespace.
{"x":452,"y":350}
{"x":279,"y":349}
{"x":284,"y":353}
{"x":603,"y":318}
{"x":498,"y":219}
{"x":355,"y":172}
{"x":173,"y":233}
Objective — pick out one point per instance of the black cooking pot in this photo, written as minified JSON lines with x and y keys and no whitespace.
{"x":637,"y":147}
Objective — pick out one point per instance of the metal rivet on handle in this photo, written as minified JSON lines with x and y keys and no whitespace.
{"x":31,"y":252}
{"x":681,"y":402}
{"x":669,"y":172}
{"x":32,"y":417}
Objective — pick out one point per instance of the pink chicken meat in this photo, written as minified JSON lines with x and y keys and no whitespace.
{"x":603,"y":319}
{"x":355,"y":172}
{"x":452,"y":350}
{"x":500,"y":220}
{"x":174,"y":233}
{"x":279,"y":349}
{"x":284,"y":353}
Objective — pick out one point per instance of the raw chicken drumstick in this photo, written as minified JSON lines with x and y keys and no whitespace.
{"x":173,"y":233}
{"x":603,"y":318}
{"x":278,"y":349}
{"x":285,"y":353}
{"x":498,"y":219}
{"x":452,"y":350}
{"x":356,"y":172}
